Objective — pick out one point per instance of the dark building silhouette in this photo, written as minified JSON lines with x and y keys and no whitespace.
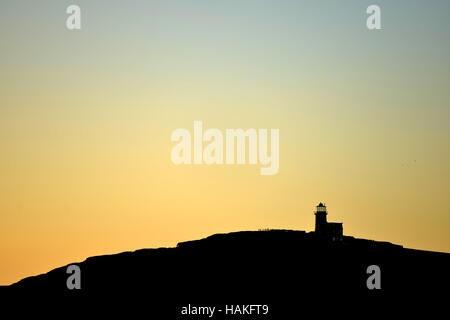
{"x":230,"y":269}
{"x":330,"y":230}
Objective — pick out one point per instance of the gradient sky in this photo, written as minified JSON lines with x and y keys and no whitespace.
{"x":86,"y":118}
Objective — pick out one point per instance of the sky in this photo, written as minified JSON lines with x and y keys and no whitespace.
{"x":86,"y":118}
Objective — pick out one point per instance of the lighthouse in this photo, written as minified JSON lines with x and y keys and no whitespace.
{"x":321,"y":219}
{"x":325,"y":229}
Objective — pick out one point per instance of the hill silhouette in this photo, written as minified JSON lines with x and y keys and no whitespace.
{"x":285,"y":269}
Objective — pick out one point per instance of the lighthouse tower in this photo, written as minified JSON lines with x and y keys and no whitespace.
{"x":321,"y":219}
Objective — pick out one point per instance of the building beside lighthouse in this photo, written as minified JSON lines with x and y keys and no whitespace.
{"x":325,"y":229}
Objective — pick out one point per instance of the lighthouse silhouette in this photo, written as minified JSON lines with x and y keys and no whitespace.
{"x":325,"y":229}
